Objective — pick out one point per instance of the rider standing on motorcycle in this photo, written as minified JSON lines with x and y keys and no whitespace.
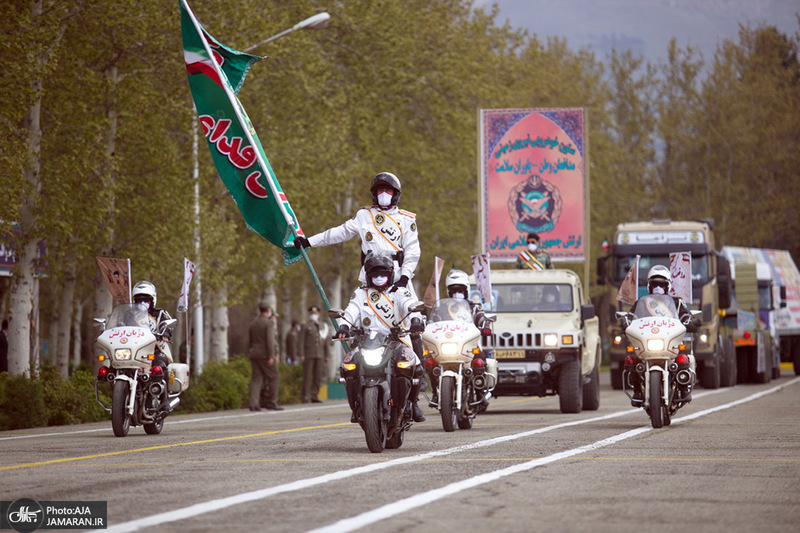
{"x":658,"y":282}
{"x":457,"y":283}
{"x":382,"y":227}
{"x":377,"y":307}
{"x":144,"y":293}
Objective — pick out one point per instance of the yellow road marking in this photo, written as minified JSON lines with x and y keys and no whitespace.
{"x":164,"y":446}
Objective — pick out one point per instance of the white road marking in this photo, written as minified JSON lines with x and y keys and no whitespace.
{"x":418,"y":500}
{"x":222,"y":503}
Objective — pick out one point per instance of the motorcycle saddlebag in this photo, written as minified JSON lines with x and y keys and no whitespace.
{"x":178,"y":377}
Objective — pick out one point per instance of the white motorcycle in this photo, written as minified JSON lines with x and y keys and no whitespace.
{"x":140,"y":394}
{"x":660,"y":366}
{"x":466,"y":377}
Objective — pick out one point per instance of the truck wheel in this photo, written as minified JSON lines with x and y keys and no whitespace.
{"x":794,"y":345}
{"x":728,"y":375}
{"x":570,"y":385}
{"x":743,"y":357}
{"x":616,"y":378}
{"x":709,"y":379}
{"x":591,"y":391}
{"x":766,"y":375}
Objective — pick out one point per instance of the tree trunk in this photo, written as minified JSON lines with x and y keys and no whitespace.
{"x":218,"y":339}
{"x":62,"y":334}
{"x":77,"y":335}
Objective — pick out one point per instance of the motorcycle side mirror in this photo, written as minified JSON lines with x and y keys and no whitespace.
{"x":695,"y":313}
{"x":335,"y":313}
{"x":623,"y":318}
{"x":100,"y":322}
{"x":490,"y":317}
{"x":170,"y":322}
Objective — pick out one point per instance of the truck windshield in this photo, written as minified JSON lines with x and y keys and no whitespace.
{"x":623,"y":263}
{"x":533,"y":298}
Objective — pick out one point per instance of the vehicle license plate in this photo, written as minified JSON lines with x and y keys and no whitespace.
{"x":511,"y":354}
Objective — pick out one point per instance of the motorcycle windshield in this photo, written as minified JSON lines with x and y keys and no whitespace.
{"x":128,"y":315}
{"x":451,"y":309}
{"x":658,"y":305}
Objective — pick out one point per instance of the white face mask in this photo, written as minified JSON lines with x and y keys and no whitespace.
{"x":532,"y":246}
{"x":384,"y":198}
{"x":458,"y":295}
{"x":658,"y":290}
{"x":314,"y":317}
{"x":380,"y":281}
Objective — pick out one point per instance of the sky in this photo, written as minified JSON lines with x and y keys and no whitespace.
{"x":645,"y":26}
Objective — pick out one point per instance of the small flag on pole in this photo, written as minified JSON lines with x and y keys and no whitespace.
{"x":629,"y":287}
{"x":432,"y":292}
{"x":482,"y":271}
{"x":188,"y":273}
{"x":680,"y":269}
{"x":116,"y":274}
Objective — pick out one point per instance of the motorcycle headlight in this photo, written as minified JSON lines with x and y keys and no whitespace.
{"x":122,"y":354}
{"x":372,"y":357}
{"x":551,"y":339}
{"x":449,"y":348}
{"x":655,"y":345}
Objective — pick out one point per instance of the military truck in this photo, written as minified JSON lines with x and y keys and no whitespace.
{"x":751,"y":322}
{"x":786,"y":286}
{"x":546,"y":338}
{"x":653,"y":241}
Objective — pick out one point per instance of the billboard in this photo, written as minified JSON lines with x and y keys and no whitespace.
{"x":532,"y":179}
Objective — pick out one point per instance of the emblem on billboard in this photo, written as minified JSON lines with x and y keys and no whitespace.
{"x":534,"y":205}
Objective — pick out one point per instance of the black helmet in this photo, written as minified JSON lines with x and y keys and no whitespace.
{"x":386,"y":179}
{"x":379,"y":265}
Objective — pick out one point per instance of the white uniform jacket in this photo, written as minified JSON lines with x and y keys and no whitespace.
{"x":376,"y":310}
{"x":386,"y":231}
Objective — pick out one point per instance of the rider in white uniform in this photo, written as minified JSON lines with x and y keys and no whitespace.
{"x":377,"y":308}
{"x":382,"y":227}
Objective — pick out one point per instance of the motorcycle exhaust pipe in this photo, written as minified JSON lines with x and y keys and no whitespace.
{"x":684,"y":377}
{"x":173,"y":403}
{"x":479,"y":382}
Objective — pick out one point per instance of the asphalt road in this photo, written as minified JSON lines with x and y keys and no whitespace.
{"x":730,"y":462}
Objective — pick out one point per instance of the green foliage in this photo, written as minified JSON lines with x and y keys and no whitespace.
{"x":50,"y":400}
{"x":23,"y":404}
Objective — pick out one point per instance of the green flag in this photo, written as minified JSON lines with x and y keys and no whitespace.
{"x":216,"y":73}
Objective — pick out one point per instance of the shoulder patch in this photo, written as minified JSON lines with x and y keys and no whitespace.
{"x":407,"y":213}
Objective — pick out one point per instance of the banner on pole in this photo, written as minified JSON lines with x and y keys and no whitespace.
{"x":216,"y":73}
{"x":116,"y":274}
{"x":188,"y":273}
{"x":432,"y":292}
{"x":680,"y":269}
{"x":483,"y":275}
{"x":630,"y":285}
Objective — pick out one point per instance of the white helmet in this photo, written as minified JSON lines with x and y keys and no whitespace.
{"x":457,"y":278}
{"x":659,"y":276}
{"x":144,"y":291}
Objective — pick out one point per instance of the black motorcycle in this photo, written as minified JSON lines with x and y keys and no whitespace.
{"x":378,"y":373}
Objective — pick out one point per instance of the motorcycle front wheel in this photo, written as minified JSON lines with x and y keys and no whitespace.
{"x":447,"y":403}
{"x":656,"y":407}
{"x":374,"y":426}
{"x":120,"y":419}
